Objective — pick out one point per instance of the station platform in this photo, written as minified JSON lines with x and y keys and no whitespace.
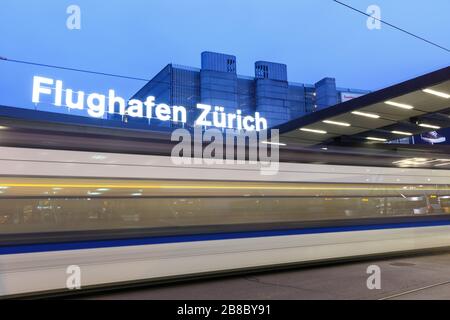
{"x":425,"y":276}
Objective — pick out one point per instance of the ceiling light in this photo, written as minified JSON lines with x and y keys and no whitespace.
{"x":376,"y":139}
{"x":437,"y":93}
{"x":313,"y":130}
{"x":426,"y":125}
{"x":402,"y":133}
{"x":274,"y":143}
{"x":364,"y":114}
{"x":400,"y":105}
{"x":343,"y":124}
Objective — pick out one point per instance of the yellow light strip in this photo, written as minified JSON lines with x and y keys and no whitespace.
{"x":207,"y":187}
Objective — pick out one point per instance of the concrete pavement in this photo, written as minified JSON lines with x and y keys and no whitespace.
{"x":414,"y":277}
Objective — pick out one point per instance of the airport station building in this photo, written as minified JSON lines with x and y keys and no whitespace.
{"x":217,"y":83}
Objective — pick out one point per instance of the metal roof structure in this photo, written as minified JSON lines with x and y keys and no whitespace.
{"x":412,"y":107}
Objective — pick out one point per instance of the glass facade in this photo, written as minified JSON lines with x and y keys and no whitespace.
{"x":218,"y":84}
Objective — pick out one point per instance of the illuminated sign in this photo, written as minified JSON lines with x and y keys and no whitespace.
{"x":97,"y":105}
{"x":346,"y":96}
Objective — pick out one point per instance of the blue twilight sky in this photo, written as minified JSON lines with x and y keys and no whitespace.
{"x":315,"y":38}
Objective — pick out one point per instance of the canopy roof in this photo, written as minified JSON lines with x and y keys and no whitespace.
{"x":412,"y":107}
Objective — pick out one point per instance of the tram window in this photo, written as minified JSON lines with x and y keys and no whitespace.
{"x":31,"y":205}
{"x":59,"y":214}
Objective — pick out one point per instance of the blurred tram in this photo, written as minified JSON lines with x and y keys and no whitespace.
{"x":127,"y":219}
